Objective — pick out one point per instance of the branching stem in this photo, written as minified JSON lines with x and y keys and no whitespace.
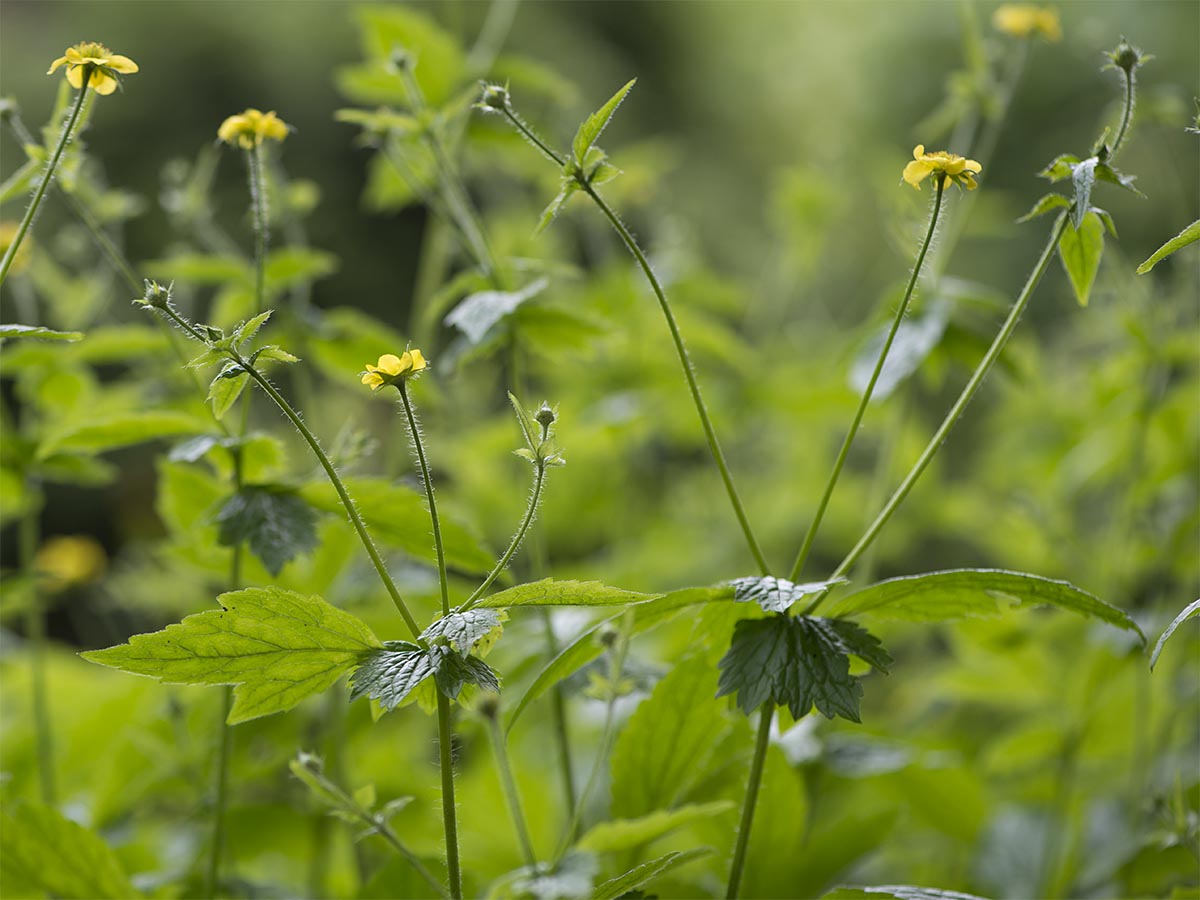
{"x":535,"y":500}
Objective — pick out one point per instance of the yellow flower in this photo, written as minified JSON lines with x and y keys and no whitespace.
{"x":8,"y":231}
{"x":1024,"y":20}
{"x":68,"y":560}
{"x":104,"y":65}
{"x":251,"y":128}
{"x":392,"y":368}
{"x":957,"y":169}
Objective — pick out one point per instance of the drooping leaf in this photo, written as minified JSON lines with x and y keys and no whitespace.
{"x":629,"y":834}
{"x":1048,"y":203}
{"x":453,"y":671}
{"x":551,"y":592}
{"x":1061,"y":168}
{"x":468,"y":630}
{"x":799,"y":663}
{"x":391,"y":673}
{"x":895,"y":892}
{"x":277,"y":647}
{"x":1105,"y":172}
{"x":274,"y":521}
{"x":962,"y":593}
{"x":1190,"y":610}
{"x":45,"y":853}
{"x":226,"y":387}
{"x":40,"y":332}
{"x":623,"y":885}
{"x":476,"y":315}
{"x":1189,"y":235}
{"x":594,"y":124}
{"x":777,"y":594}
{"x":1080,"y":250}
{"x":1083,"y":179}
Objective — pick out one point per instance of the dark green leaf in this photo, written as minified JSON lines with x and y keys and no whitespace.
{"x":1109,"y":225}
{"x":40,"y":332}
{"x":961,"y":593}
{"x":594,"y":124}
{"x":1048,"y":203}
{"x":549,"y":592}
{"x":1190,"y":610}
{"x":777,"y":594}
{"x":43,"y":852}
{"x":393,"y":672}
{"x":1080,"y":252}
{"x":278,"y":647}
{"x":274,"y":521}
{"x":452,"y":671}
{"x":623,"y":885}
{"x":1060,"y":169}
{"x":1189,"y":235}
{"x":1105,"y":172}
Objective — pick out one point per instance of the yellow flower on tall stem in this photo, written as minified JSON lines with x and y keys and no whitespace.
{"x":250,"y":128}
{"x":392,"y":369}
{"x":100,"y":64}
{"x":1023,"y":20}
{"x":941,"y":164}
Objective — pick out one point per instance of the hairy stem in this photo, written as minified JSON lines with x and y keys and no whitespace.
{"x":814,"y":526}
{"x":212,"y":874}
{"x":751,"y":801}
{"x":511,"y":795}
{"x":47,"y":176}
{"x":258,"y":199}
{"x":535,"y":500}
{"x":35,"y":633}
{"x":414,"y":431}
{"x":956,"y":411}
{"x":449,"y":811}
{"x":1126,"y":115}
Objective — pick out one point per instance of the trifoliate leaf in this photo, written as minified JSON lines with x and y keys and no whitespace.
{"x":1080,"y":250}
{"x":777,"y":594}
{"x":468,"y":630}
{"x":964,"y":593}
{"x":797,"y":663}
{"x":550,"y":592}
{"x":273,"y":520}
{"x":40,"y":332}
{"x":277,"y":647}
{"x":226,"y":387}
{"x":393,"y":672}
{"x":1048,"y":203}
{"x":44,"y":853}
{"x":594,"y":124}
{"x":1190,"y":610}
{"x":1189,"y":235}
{"x":625,"y":885}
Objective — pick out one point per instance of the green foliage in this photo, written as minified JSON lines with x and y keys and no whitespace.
{"x":625,"y":885}
{"x":594,"y":124}
{"x":1192,"y":609}
{"x":552,"y":592}
{"x":40,"y":332}
{"x":1080,"y":249}
{"x":391,"y":673}
{"x":777,"y":594}
{"x":277,"y":647}
{"x":798,"y":663}
{"x":895,"y":892}
{"x":1189,"y":235}
{"x":272,"y":520}
{"x":630,"y":834}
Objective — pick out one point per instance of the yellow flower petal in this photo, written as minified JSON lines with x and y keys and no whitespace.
{"x":102,"y":83}
{"x":54,"y":66}
{"x":73,"y":55}
{"x":75,"y":76}
{"x":389,"y":364}
{"x":122,"y":64}
{"x":418,"y":361}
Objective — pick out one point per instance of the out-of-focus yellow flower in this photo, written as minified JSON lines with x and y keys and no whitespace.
{"x":957,"y":169}
{"x":67,"y":560}
{"x":251,"y":128}
{"x":8,"y":231}
{"x":1026,"y":20}
{"x":392,"y":368}
{"x":105,"y":66}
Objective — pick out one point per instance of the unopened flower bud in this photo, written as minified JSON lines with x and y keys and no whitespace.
{"x":156,"y":296}
{"x":545,"y":417}
{"x":494,"y":97}
{"x":1127,"y":57}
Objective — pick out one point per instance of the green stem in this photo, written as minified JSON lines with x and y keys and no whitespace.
{"x":449,"y":812}
{"x":558,"y":714}
{"x":414,"y":431}
{"x":751,"y":800}
{"x":1126,"y":115}
{"x":385,"y":831}
{"x":813,"y":527}
{"x":31,"y":210}
{"x":212,"y":876}
{"x":956,"y":411}
{"x":689,"y":373}
{"x":511,"y":795}
{"x":35,"y":633}
{"x":258,"y":198}
{"x":535,"y":499}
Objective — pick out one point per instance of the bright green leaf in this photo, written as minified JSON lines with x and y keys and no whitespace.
{"x":624,"y":885}
{"x":39,"y":332}
{"x":1189,"y":235}
{"x":1190,"y":610}
{"x":594,"y":124}
{"x":226,"y":387}
{"x":272,"y":520}
{"x":277,"y":647}
{"x":1061,"y":168}
{"x":121,"y":430}
{"x":550,"y":213}
{"x":629,"y":834}
{"x":249,"y":328}
{"x":1080,"y":252}
{"x":549,"y":592}
{"x":1048,"y":203}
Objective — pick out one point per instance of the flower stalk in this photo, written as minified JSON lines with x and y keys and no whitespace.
{"x":35,"y":632}
{"x":512,"y":796}
{"x":414,"y":432}
{"x":757,"y":764}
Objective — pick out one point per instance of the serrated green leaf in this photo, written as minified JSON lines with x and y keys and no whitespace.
{"x":226,"y":387}
{"x":1048,"y":203}
{"x":271,"y":352}
{"x":799,"y":663}
{"x":276,"y":647}
{"x":476,"y":314}
{"x":467,"y":630}
{"x":40,"y":332}
{"x":1105,"y":172}
{"x":777,"y":594}
{"x":1080,"y":251}
{"x":392,"y":673}
{"x":603,"y":173}
{"x":1190,"y":610}
{"x":594,"y":124}
{"x":249,"y":328}
{"x":551,"y":592}
{"x":630,"y":834}
{"x":453,"y":671}
{"x":895,"y":892}
{"x":550,"y":213}
{"x":45,"y":853}
{"x":962,"y":593}
{"x":622,"y":885}
{"x":1189,"y":235}
{"x":1061,"y":168}
{"x":274,"y":521}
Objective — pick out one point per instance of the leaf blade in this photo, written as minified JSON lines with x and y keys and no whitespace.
{"x":591,"y":128}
